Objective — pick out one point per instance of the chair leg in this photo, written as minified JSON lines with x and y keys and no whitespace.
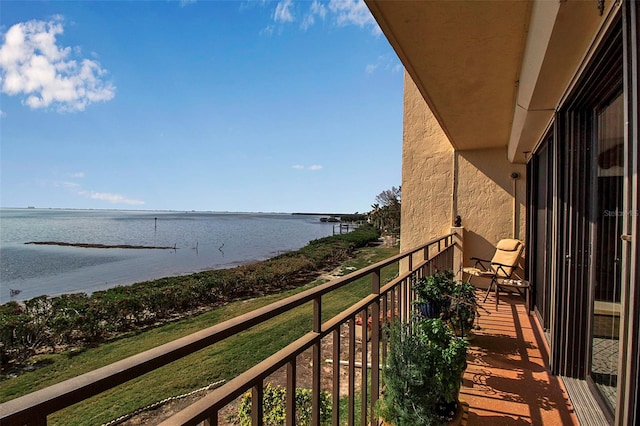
{"x":489,"y":290}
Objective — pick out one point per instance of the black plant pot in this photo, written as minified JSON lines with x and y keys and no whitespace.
{"x":429,"y":310}
{"x":446,"y":411}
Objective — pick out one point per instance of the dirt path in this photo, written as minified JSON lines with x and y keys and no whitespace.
{"x":304,"y":377}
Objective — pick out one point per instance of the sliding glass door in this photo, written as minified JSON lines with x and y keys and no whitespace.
{"x":583,"y":228}
{"x":607,"y":254}
{"x":541,"y":180}
{"x":586,"y":226}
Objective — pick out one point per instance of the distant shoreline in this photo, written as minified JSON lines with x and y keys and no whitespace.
{"x":173,"y":211}
{"x":102,"y":246}
{"x":65,"y":258}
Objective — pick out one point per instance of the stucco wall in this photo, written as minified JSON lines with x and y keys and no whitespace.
{"x":485,"y":200}
{"x":427,"y":173}
{"x":439,"y":183}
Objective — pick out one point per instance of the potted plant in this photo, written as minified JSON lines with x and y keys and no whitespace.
{"x":423,"y":373}
{"x":433,"y":294}
{"x":463,"y":308}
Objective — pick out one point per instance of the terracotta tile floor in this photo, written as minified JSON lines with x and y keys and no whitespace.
{"x":507,"y":381}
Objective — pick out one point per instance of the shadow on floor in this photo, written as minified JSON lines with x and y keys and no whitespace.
{"x":507,"y":381}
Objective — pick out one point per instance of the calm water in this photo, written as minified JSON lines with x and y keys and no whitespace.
{"x":202,"y":240}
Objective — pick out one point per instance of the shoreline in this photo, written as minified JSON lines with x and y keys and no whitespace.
{"x":91,"y":319}
{"x":85,"y":251}
{"x":27,"y":381}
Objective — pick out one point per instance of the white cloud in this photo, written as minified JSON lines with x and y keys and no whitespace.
{"x":76,"y":188}
{"x":353,"y":12}
{"x":307,"y":22}
{"x":111,"y":198}
{"x":340,"y":12}
{"x":385,"y":63}
{"x":2,"y":113}
{"x":34,"y":66}
{"x":268,"y":31}
{"x":313,"y":167}
{"x":316,"y":9}
{"x":283,"y":12}
{"x":68,"y":184}
{"x":184,"y":3}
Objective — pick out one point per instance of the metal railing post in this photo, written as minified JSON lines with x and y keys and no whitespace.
{"x":211,"y":421}
{"x":315,"y":392}
{"x":352,"y":371}
{"x":457,"y":241}
{"x":364,"y":345}
{"x":336,"y":378}
{"x":375,"y":343}
{"x":386,"y":318}
{"x":291,"y":393}
{"x":257,"y":396}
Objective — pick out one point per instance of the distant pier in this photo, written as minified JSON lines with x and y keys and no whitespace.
{"x":344,"y":228}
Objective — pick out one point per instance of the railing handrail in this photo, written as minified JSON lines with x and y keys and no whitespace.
{"x":218,"y":398}
{"x":24,"y":409}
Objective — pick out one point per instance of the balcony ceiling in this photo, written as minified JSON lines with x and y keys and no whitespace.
{"x":465,"y":57}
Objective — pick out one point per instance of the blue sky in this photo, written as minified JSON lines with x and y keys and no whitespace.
{"x":284,"y":106}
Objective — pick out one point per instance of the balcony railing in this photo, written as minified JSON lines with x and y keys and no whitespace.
{"x":393,"y":298}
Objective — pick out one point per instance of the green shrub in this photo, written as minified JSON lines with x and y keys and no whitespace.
{"x":436,"y":288}
{"x":423,"y":373}
{"x":13,"y":327}
{"x":274,"y":407}
{"x":359,"y":237}
{"x":68,"y":312}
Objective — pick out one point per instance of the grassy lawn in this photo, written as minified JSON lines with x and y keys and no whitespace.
{"x":224,"y":360}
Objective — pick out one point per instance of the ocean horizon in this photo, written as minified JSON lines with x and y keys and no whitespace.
{"x":199,"y":241}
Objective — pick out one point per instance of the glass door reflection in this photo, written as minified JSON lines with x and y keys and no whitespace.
{"x":607,"y":250}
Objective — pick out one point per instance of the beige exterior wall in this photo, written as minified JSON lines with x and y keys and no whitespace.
{"x":439,"y":183}
{"x":485,"y":200}
{"x":427,"y":173}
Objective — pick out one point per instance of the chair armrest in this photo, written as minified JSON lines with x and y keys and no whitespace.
{"x":481,"y":263}
{"x":502,"y":266}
